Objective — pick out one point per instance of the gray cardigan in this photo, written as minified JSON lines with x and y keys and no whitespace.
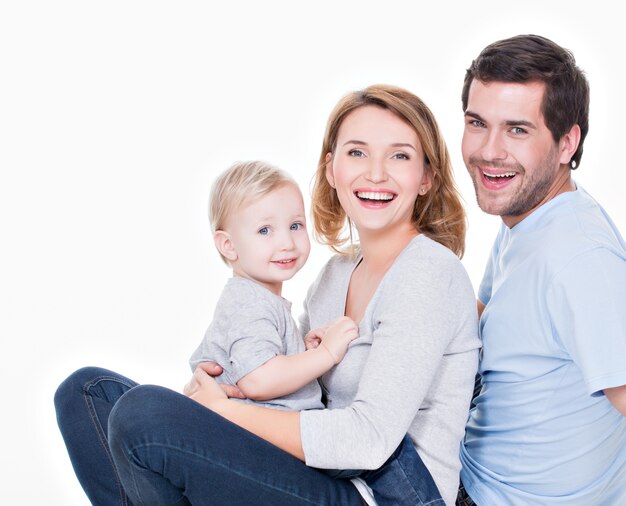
{"x":411,"y":369}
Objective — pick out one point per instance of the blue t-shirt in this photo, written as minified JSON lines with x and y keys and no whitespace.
{"x":554,"y":336}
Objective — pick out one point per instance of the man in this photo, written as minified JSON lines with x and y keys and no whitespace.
{"x":549,"y":424}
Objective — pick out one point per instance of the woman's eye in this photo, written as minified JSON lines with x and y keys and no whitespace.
{"x":357,"y":153}
{"x":296,"y":226}
{"x":401,"y":156}
{"x":264,"y":230}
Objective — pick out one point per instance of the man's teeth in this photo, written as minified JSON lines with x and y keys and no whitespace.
{"x":506,"y":174}
{"x":375,"y":195}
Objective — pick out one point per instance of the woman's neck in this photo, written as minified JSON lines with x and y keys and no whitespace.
{"x":379,"y":249}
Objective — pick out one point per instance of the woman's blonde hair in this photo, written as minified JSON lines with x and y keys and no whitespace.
{"x":439,"y":214}
{"x":240,"y":184}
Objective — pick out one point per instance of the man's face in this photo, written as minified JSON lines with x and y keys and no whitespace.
{"x":509,"y":152}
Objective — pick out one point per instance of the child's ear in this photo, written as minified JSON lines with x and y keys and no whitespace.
{"x":225,"y":245}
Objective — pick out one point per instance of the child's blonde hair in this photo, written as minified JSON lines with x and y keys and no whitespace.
{"x":240,"y":184}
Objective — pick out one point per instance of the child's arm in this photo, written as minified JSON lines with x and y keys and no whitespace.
{"x":284,"y":374}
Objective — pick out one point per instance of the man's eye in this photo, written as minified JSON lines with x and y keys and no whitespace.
{"x":518,"y":130}
{"x":476,"y":123}
{"x":264,"y":230}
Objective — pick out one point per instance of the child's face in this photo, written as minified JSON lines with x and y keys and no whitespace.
{"x":269,"y":238}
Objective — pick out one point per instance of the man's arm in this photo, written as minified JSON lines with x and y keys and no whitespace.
{"x":481,"y":307}
{"x":617,"y":396}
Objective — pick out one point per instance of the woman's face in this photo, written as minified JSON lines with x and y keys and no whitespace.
{"x":377,"y":169}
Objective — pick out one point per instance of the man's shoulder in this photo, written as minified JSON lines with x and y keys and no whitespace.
{"x":575,"y":224}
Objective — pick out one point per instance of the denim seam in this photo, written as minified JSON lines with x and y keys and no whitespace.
{"x":132,"y":458}
{"x":434,"y":502}
{"x":100,"y":431}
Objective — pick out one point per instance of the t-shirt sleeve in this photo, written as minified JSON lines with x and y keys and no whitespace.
{"x":253,"y":340}
{"x":587,"y":305}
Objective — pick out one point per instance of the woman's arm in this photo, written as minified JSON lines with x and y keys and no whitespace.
{"x":281,"y":428}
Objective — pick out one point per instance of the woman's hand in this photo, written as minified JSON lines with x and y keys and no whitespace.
{"x":210,"y":369}
{"x":204,"y":389}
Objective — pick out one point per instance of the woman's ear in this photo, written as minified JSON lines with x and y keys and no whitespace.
{"x":225,"y":245}
{"x":329,"y":170}
{"x":427,"y":181}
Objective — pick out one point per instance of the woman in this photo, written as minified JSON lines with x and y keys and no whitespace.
{"x":384,"y":171}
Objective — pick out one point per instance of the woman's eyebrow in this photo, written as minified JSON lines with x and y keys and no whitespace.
{"x":395,"y":144}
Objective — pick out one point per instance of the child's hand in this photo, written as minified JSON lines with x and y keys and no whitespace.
{"x":314,"y":337}
{"x":338,"y":335}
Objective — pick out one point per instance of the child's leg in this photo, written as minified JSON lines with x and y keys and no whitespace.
{"x":403,"y":480}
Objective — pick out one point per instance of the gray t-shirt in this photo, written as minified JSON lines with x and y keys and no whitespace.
{"x":250,"y":326}
{"x":410,"y":370}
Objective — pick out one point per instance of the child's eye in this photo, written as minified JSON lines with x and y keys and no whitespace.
{"x":296,"y":226}
{"x":264,"y":230}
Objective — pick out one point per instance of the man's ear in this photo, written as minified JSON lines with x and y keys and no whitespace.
{"x":329,"y":170}
{"x":569,"y":144}
{"x":225,"y":245}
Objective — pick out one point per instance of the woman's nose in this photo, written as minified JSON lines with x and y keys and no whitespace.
{"x":377,"y":171}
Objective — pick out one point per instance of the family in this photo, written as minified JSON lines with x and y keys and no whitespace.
{"x":396,"y":387}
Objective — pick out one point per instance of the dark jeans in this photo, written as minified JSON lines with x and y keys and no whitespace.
{"x":147,"y":445}
{"x":463,"y":499}
{"x":403,"y":480}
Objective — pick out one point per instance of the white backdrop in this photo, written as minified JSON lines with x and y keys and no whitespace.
{"x":116,"y":116}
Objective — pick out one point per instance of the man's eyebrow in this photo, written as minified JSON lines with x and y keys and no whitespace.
{"x":509,"y":122}
{"x":520,"y":122}
{"x":474,"y":115}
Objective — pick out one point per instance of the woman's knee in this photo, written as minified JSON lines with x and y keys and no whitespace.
{"x":142,"y":418}
{"x":138,"y":410}
{"x":74,"y":386}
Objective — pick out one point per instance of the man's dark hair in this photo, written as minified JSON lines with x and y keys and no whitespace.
{"x":532,"y":58}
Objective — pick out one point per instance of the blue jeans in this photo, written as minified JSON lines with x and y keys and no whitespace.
{"x":403,"y":480}
{"x":147,"y":445}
